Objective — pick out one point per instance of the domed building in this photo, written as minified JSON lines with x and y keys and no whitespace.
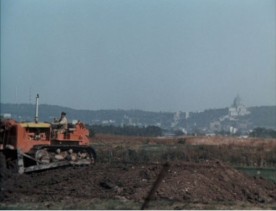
{"x":237,"y":108}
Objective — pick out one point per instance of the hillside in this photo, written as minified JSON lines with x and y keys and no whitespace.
{"x":207,"y":121}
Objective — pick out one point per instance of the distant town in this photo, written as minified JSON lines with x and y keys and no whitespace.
{"x":237,"y":119}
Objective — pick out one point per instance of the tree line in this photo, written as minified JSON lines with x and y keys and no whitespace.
{"x":154,"y":131}
{"x":263,"y":133}
{"x":127,"y":130}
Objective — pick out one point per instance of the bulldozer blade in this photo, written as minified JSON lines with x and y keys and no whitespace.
{"x":45,"y":166}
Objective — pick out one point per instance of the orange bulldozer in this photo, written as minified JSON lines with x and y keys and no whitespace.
{"x":33,"y":146}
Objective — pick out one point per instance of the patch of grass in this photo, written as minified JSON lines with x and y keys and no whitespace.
{"x":267,"y":173}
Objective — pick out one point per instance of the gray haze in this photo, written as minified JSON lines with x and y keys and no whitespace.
{"x":155,"y":55}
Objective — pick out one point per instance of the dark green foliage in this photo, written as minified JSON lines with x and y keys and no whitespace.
{"x":263,"y":133}
{"x":126,"y":130}
{"x":178,"y":133}
{"x":268,"y":173}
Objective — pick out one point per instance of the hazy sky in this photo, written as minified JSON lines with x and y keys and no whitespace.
{"x":154,"y":55}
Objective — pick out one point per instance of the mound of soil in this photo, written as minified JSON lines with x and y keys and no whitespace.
{"x":184,"y":182}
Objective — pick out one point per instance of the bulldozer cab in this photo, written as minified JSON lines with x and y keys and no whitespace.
{"x":75,"y":134}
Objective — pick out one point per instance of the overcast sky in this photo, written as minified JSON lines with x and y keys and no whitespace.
{"x":154,"y":55}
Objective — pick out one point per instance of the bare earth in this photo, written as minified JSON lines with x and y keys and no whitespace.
{"x":186,"y":185}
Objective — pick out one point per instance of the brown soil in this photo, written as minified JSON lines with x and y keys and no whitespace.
{"x":184,"y":182}
{"x":186,"y":185}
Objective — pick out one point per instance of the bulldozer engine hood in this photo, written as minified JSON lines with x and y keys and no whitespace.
{"x":35,"y":125}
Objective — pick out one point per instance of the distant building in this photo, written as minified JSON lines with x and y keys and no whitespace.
{"x":176,"y":118}
{"x":187,"y":115}
{"x":233,"y":130}
{"x":237,"y":108}
{"x":6,"y":115}
{"x":215,"y":126}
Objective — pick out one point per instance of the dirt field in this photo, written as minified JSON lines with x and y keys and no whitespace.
{"x":185,"y":185}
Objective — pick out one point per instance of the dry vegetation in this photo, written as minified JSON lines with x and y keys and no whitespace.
{"x":249,"y":152}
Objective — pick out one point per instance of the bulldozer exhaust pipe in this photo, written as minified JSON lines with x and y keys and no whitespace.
{"x":36,"y":108}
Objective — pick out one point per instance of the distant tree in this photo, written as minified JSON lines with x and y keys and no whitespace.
{"x":178,"y":133}
{"x":153,"y":131}
{"x":224,"y":133}
{"x":127,"y":130}
{"x":263,"y":133}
